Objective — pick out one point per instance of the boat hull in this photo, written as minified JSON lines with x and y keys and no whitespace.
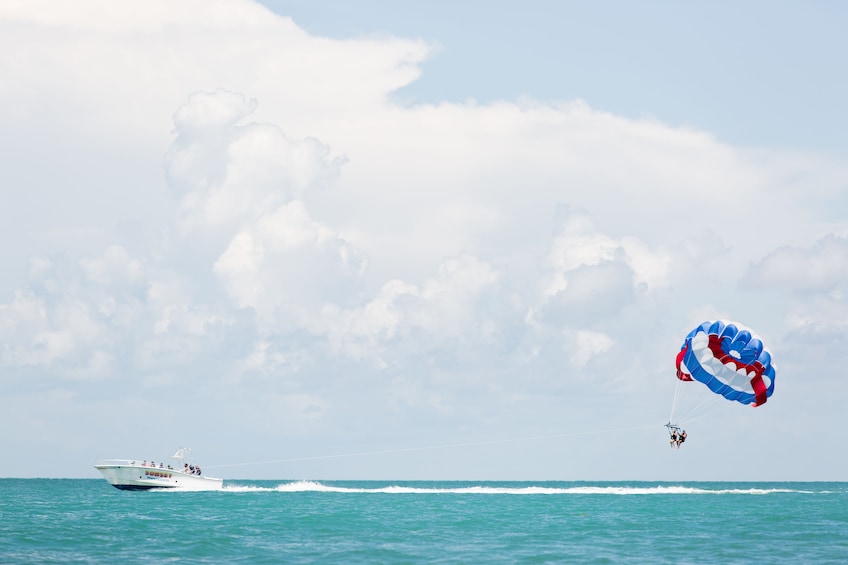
{"x":134,"y":476}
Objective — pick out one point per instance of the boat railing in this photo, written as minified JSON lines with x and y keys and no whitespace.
{"x":117,"y":462}
{"x":133,"y":463}
{"x":137,"y":463}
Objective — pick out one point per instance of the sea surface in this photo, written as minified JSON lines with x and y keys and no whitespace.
{"x":89,"y":521}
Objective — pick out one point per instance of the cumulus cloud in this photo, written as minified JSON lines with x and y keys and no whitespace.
{"x":70,"y":317}
{"x":458,"y":305}
{"x":586,"y":345}
{"x":115,"y":267}
{"x":206,"y":112}
{"x":228,"y":175}
{"x":97,"y":75}
{"x":349,"y":259}
{"x":287,"y":259}
{"x":592,"y":274}
{"x":823,"y":267}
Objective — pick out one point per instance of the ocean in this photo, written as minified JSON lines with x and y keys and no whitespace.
{"x":89,"y":521}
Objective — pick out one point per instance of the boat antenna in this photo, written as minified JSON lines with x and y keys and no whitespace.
{"x":181,"y":454}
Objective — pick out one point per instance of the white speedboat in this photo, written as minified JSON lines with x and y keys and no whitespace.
{"x":126,"y":474}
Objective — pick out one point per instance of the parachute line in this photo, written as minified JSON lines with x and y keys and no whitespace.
{"x":678,"y":393}
{"x":699,"y":409}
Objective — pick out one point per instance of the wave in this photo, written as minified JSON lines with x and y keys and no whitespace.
{"x":313,"y":486}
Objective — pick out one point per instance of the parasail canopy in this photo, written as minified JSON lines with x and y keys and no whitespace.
{"x":730,"y":360}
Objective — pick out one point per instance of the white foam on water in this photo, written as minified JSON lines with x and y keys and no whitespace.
{"x":314,"y":486}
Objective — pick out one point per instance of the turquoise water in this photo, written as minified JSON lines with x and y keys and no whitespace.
{"x":88,"y":521}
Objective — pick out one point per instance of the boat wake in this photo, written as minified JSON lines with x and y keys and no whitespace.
{"x":313,"y":486}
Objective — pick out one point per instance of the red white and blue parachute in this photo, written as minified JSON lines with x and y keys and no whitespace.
{"x":730,"y":360}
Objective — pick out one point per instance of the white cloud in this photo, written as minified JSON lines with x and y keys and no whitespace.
{"x":21,"y":317}
{"x":822,"y":267}
{"x":359,"y":265}
{"x":105,"y":16}
{"x":114,"y":268}
{"x":592,"y":274}
{"x":206,"y":112}
{"x":70,"y":315}
{"x":230,"y":175}
{"x":264,"y":359}
{"x":586,"y":345}
{"x":109,"y":69}
{"x":447,"y":309}
{"x":287,"y":259}
{"x":174,"y":310}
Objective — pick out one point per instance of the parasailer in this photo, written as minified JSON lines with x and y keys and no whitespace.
{"x":672,"y":435}
{"x":676,"y":435}
{"x":730,"y":360}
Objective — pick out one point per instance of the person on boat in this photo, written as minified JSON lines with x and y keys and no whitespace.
{"x":197,"y":470}
{"x":185,"y":468}
{"x":144,"y":463}
{"x":681,"y":438}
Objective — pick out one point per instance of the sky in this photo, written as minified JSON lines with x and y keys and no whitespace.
{"x":404,"y":240}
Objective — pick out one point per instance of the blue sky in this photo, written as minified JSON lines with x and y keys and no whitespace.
{"x":388,"y":241}
{"x":752,"y":73}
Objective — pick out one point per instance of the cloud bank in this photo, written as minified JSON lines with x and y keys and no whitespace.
{"x":266,"y":239}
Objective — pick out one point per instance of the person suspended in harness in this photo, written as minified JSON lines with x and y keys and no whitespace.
{"x":681,"y":437}
{"x":673,"y":435}
{"x":673,"y":438}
